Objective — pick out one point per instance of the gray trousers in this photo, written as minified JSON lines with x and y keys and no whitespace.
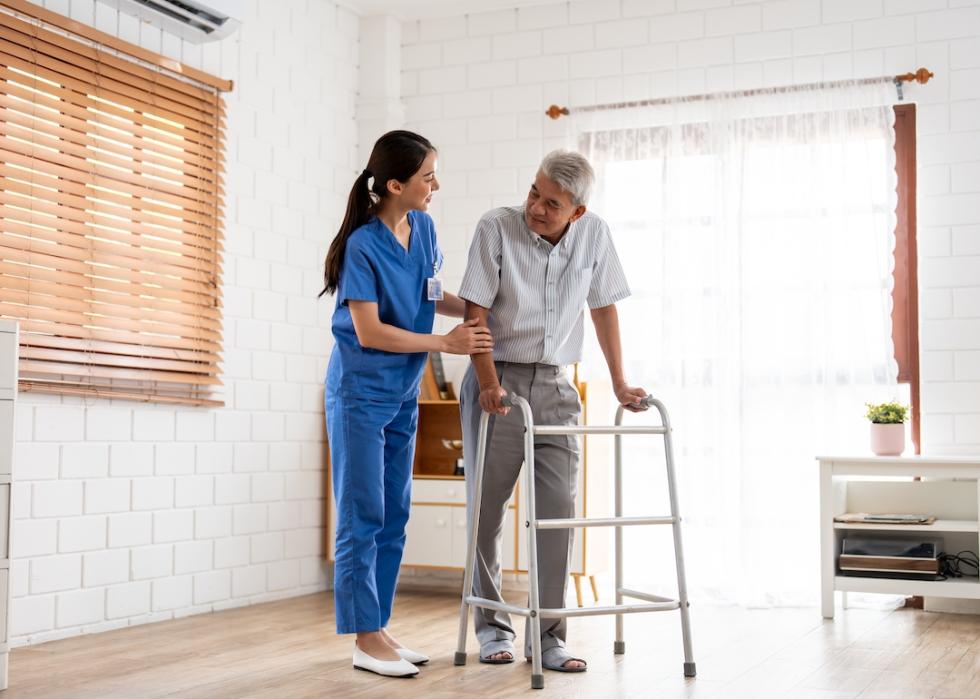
{"x":553,"y":401}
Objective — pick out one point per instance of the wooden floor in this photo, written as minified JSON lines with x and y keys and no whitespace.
{"x":288,"y":649}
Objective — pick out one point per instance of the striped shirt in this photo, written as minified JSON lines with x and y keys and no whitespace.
{"x":536,"y":291}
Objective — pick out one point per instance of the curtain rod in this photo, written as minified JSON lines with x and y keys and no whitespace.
{"x":921,"y":76}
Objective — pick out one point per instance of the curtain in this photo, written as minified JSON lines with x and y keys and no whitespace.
{"x":757,"y":234}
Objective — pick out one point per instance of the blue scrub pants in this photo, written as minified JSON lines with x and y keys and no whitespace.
{"x":372,"y":446}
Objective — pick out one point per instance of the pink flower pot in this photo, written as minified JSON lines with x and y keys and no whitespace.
{"x":887,"y":440}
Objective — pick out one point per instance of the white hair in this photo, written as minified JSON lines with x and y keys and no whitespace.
{"x":570,"y":171}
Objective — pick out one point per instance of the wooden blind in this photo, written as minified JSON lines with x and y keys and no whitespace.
{"x":110,"y":203}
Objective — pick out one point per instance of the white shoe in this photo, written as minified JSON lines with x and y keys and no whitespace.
{"x":412,"y":656}
{"x":388,"y":668}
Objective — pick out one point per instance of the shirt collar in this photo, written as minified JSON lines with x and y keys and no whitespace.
{"x":538,"y":240}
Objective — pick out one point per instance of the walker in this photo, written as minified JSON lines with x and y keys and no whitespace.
{"x":651,"y":603}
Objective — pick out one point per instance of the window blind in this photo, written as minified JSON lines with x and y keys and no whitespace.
{"x":110,"y":211}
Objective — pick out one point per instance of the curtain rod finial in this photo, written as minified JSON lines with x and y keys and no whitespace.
{"x":554,"y":111}
{"x":921,"y":76}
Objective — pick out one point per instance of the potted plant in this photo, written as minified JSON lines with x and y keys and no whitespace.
{"x":887,"y":428}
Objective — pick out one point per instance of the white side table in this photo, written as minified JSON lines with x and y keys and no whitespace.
{"x":949,"y":490}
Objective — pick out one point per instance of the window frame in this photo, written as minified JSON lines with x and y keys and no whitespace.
{"x":905,"y":306}
{"x":116,"y":278}
{"x":905,"y":293}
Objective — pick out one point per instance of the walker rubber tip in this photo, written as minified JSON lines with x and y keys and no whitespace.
{"x":689,"y":670}
{"x":619,"y":647}
{"x":537,"y":681}
{"x":459,"y":658}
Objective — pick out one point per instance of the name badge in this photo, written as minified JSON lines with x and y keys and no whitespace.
{"x":435,"y":289}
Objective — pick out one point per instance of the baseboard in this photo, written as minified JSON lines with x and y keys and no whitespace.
{"x":952,"y":606}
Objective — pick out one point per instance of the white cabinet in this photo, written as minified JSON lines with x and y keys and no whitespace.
{"x":947,"y":488}
{"x":436,"y":532}
{"x":8,"y":394}
{"x":429,"y":536}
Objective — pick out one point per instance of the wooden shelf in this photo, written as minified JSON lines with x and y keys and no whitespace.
{"x":438,"y":422}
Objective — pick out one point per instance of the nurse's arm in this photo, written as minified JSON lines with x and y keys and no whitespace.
{"x":451,"y":305}
{"x":465,"y":338}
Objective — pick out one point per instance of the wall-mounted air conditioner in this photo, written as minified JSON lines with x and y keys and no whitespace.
{"x":193,"y":20}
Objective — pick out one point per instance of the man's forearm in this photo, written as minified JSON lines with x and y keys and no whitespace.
{"x":486,"y":372}
{"x":606,"y":322}
{"x":451,"y":305}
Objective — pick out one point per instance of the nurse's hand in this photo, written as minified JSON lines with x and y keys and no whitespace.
{"x":468,"y":338}
{"x":490,"y":400}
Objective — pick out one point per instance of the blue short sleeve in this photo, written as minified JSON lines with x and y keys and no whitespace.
{"x":358,"y":278}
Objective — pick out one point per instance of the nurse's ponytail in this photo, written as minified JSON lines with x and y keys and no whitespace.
{"x":396,"y":156}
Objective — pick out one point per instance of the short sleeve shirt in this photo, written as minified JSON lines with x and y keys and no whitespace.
{"x":536,"y":291}
{"x":377,"y":268}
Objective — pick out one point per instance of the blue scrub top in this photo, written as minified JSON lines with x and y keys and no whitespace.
{"x":377,"y":268}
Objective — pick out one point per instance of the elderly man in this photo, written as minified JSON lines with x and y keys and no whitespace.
{"x":530,"y":273}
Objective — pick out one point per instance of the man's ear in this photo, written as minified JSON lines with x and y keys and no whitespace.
{"x":577,"y":214}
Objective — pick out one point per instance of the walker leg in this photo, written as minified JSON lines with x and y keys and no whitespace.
{"x":537,"y":673}
{"x":474,"y":526}
{"x":619,"y":645}
{"x":689,"y":666}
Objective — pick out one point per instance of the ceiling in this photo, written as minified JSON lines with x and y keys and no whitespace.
{"x":415,"y":9}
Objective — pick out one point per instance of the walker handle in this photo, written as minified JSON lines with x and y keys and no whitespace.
{"x":509,"y":400}
{"x":647,"y":401}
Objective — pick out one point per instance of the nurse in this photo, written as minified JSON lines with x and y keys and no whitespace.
{"x":384,"y":267}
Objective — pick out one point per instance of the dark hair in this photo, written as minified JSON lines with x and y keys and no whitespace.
{"x":396,"y":156}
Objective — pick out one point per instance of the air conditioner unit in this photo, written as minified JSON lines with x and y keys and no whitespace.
{"x":190,"y":19}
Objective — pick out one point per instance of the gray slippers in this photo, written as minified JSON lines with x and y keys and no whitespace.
{"x":554,"y":658}
{"x":492,"y":648}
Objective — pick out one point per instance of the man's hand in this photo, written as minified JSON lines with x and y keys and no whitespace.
{"x":490,"y":400}
{"x":630,"y":396}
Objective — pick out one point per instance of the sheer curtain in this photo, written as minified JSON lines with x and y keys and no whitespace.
{"x":757,"y":234}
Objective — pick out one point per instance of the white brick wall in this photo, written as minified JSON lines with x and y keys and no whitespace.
{"x":124,"y":513}
{"x":615,"y":50}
